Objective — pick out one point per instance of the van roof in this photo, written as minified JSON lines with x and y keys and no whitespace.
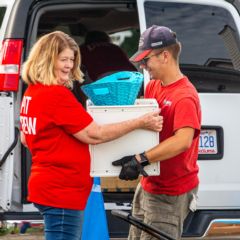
{"x":22,"y":8}
{"x":15,"y":27}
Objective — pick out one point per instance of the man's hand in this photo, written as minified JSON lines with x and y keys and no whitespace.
{"x":131,"y":168}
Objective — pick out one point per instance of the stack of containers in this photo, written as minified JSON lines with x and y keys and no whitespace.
{"x":113,"y":99}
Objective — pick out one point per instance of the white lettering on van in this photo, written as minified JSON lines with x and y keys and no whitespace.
{"x":28,"y":125}
{"x":25,"y":104}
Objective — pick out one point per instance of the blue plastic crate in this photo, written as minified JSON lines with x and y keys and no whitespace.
{"x":120,"y":88}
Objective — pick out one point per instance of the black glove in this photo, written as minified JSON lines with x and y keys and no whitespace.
{"x":131,"y":167}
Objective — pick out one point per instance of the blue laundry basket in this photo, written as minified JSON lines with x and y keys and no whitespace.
{"x":119,"y":88}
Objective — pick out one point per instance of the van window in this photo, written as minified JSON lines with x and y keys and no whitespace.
{"x":197,"y":27}
{"x":208,"y":35}
{"x":127,"y":40}
{"x":2,"y":13}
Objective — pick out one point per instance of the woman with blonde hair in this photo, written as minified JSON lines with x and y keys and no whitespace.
{"x":57,"y":130}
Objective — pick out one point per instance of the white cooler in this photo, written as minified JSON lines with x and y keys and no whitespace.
{"x":134,"y":142}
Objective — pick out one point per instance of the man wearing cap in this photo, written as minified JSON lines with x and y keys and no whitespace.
{"x":164,"y":201}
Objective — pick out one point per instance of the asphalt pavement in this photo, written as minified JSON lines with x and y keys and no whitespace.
{"x":40,"y":237}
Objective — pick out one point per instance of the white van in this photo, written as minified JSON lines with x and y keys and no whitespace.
{"x":210,"y":34}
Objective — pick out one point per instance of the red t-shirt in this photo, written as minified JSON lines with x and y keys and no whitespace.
{"x":60,"y":163}
{"x":180,"y":107}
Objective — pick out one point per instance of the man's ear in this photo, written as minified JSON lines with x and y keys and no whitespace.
{"x":165,"y":56}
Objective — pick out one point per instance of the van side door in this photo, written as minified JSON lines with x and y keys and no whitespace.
{"x":10,"y":154}
{"x":210,"y":37}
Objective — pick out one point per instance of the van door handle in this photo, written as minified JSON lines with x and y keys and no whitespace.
{"x":12,"y":146}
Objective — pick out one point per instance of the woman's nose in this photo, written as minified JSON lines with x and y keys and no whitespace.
{"x":69,"y":63}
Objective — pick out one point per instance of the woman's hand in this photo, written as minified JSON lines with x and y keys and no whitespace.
{"x":152,"y":121}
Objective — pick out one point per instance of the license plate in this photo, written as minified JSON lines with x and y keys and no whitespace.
{"x":208,"y":142}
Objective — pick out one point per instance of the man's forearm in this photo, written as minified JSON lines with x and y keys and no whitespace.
{"x":172,"y":146}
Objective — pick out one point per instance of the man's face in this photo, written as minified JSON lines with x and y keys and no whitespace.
{"x":153,"y":63}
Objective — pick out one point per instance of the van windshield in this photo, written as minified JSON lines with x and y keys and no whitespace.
{"x":207,"y":33}
{"x":2,"y":13}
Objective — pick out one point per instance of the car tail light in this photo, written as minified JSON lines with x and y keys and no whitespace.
{"x":10,"y":59}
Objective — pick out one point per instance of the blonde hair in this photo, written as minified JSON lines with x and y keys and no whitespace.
{"x":39,"y":67}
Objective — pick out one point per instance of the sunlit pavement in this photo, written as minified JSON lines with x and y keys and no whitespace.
{"x":218,"y":231}
{"x":38,"y":237}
